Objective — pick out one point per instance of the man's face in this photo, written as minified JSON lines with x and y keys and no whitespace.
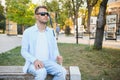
{"x":42,"y":15}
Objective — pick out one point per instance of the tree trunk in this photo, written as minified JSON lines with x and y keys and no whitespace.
{"x":101,"y":21}
{"x":23,"y":28}
{"x":76,"y":23}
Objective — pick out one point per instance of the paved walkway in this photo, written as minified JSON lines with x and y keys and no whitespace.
{"x":10,"y":42}
{"x":86,"y":40}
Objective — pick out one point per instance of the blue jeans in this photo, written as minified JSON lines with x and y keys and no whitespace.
{"x":50,"y":67}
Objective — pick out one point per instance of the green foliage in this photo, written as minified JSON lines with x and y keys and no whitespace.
{"x":67,"y":30}
{"x":64,"y":9}
{"x":62,"y":18}
{"x":54,"y":8}
{"x":2,"y":18}
{"x":95,"y":10}
{"x":1,"y":9}
{"x":72,"y":8}
{"x":91,"y":2}
{"x":2,"y":25}
{"x":59,"y":9}
{"x":20,"y":11}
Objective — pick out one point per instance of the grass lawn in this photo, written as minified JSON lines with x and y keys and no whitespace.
{"x":94,"y":65}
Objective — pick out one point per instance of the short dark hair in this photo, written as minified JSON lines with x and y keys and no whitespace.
{"x":36,"y":10}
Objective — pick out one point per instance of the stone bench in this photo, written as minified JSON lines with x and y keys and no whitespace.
{"x":15,"y":73}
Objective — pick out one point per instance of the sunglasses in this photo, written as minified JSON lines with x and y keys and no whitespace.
{"x":43,"y":13}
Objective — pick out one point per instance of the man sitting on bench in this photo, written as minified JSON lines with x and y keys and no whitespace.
{"x":39,"y":48}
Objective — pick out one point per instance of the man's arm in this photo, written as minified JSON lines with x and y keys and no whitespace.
{"x":25,"y":48}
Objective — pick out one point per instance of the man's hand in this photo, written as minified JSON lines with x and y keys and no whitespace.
{"x":38,"y":64}
{"x":59,"y":60}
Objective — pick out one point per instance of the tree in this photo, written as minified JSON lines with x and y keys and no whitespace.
{"x":73,"y":7}
{"x":101,"y":21}
{"x":21,"y":12}
{"x":2,"y":18}
{"x":66,"y":12}
{"x":95,"y":9}
{"x":90,"y":5}
{"x":53,"y":7}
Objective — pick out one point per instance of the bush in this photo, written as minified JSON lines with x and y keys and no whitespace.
{"x":67,"y":30}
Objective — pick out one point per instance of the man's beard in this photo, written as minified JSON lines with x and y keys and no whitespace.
{"x":43,"y":22}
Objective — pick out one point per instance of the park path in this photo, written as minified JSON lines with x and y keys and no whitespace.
{"x":10,"y":42}
{"x":86,"y":40}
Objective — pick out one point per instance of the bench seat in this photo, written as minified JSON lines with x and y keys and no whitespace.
{"x":15,"y":73}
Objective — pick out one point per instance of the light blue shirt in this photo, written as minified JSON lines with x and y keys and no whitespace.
{"x":29,"y":42}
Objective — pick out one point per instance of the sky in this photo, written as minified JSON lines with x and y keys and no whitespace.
{"x":35,"y":1}
{"x":39,"y":1}
{"x":3,"y":2}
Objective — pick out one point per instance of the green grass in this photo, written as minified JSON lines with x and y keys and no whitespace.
{"x":12,"y":57}
{"x":94,"y":65}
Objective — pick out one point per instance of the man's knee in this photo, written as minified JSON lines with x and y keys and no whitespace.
{"x":62,"y":72}
{"x":40,"y":74}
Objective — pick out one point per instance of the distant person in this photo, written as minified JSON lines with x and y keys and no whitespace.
{"x":39,"y":48}
{"x":57,"y":31}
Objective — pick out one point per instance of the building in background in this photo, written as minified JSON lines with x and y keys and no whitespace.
{"x":114,"y":8}
{"x":113,"y":19}
{"x":11,"y":28}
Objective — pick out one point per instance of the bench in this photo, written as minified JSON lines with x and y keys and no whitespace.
{"x":15,"y":73}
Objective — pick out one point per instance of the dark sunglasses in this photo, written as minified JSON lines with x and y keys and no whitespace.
{"x":43,"y":13}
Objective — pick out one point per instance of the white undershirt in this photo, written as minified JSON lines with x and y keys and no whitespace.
{"x":42,"y":52}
